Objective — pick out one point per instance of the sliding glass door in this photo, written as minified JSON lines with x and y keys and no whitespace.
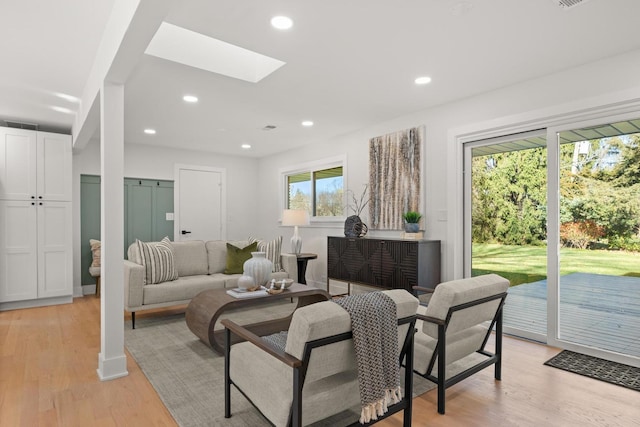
{"x":507,"y":213}
{"x":557,"y":212}
{"x":598,"y":298}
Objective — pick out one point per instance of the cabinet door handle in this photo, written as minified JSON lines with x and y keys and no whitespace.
{"x":39,"y":197}
{"x":33,"y":203}
{"x":33,"y":197}
{"x":40,"y":203}
{"x":185,"y":232}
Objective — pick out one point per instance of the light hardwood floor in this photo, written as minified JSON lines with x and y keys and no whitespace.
{"x":48,"y":361}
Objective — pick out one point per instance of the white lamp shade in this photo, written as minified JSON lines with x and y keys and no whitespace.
{"x":291,"y":217}
{"x":295,"y":217}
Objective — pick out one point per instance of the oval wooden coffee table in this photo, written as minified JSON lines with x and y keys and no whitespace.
{"x":205,"y":309}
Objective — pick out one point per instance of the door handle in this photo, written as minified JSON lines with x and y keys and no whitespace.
{"x":185,"y":232}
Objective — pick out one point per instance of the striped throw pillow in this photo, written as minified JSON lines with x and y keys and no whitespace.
{"x":157,"y":260}
{"x":272,"y":248}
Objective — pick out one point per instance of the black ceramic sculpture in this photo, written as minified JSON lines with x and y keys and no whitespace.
{"x":354,"y":227}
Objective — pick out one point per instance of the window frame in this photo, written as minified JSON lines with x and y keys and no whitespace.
{"x":311,"y":168}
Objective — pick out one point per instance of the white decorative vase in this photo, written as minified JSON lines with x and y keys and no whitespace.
{"x":246,"y":282}
{"x":258,"y":267}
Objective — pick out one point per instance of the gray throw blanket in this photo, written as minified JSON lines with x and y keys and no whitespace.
{"x":375,"y":336}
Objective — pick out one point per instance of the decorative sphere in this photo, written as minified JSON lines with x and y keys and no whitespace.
{"x":246,"y":282}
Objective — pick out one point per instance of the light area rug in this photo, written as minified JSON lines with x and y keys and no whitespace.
{"x":189,"y":376}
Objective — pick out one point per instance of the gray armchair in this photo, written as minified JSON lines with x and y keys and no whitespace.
{"x":312,"y":375}
{"x":462,"y":314}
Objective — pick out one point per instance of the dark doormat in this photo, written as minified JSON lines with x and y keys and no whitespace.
{"x":600,"y":369}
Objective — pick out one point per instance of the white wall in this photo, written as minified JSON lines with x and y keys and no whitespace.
{"x":588,"y":87}
{"x":145,"y":161}
{"x":255,"y":193}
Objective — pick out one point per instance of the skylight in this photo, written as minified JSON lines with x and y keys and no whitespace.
{"x":187,"y":47}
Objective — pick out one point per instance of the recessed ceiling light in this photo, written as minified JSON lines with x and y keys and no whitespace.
{"x":423,"y":80}
{"x":281,"y":22}
{"x":307,"y":123}
{"x":190,"y":98}
{"x":150,"y":131}
{"x":246,"y":146}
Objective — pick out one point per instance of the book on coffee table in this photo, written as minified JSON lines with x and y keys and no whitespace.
{"x":243,"y":293}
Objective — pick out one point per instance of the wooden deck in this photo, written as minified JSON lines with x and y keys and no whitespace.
{"x":595,"y":310}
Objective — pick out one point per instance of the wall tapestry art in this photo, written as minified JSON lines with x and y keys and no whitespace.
{"x":394,"y":177}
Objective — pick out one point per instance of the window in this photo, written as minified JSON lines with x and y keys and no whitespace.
{"x":318,"y":190}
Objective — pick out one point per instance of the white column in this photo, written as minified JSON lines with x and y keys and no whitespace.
{"x":112,"y":362}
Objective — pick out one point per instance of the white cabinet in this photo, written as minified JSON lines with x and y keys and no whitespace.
{"x":18,"y":164}
{"x":34,"y":165}
{"x":54,"y":249}
{"x":54,"y":171}
{"x":19,"y":251}
{"x":35,"y":218}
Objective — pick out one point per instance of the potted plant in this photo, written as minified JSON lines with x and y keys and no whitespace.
{"x":412,"y":221}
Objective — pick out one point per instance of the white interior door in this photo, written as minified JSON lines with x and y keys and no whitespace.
{"x":199,"y":202}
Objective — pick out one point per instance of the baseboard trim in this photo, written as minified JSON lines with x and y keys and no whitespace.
{"x":110,"y":369}
{"x":15,"y":305}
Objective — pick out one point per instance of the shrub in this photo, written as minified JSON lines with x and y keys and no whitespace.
{"x":579,"y":234}
{"x":624,"y":244}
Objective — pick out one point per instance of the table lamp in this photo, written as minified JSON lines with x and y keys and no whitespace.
{"x":295,"y":217}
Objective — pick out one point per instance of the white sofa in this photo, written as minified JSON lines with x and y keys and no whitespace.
{"x":200,"y":267}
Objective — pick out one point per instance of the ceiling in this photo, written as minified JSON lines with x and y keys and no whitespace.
{"x":349,"y":65}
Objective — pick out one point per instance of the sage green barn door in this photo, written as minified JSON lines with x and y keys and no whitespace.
{"x":148,"y":210}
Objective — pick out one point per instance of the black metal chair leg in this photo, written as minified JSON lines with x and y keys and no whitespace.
{"x":227,"y":376}
{"x":442,"y":346}
{"x":498,"y":368}
{"x":408,"y":382}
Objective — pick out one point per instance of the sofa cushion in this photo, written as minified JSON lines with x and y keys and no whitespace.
{"x":272,"y":249}
{"x":217,"y":253}
{"x":158,"y":261}
{"x":190,"y":258}
{"x":236,"y":257}
{"x":182,"y":289}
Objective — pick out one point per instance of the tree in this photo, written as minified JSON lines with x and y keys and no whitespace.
{"x":509,"y":197}
{"x":300,"y":200}
{"x":329,"y":203}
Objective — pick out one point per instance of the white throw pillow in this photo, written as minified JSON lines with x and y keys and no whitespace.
{"x":272,"y":248}
{"x":96,"y":249}
{"x":158,"y":261}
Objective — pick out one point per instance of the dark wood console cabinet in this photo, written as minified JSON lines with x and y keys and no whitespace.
{"x":384,"y":263}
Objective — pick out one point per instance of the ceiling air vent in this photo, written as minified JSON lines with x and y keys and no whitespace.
{"x":568,"y":4}
{"x":19,"y":125}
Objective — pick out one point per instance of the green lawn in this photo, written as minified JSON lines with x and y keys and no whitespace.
{"x":525,"y":264}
